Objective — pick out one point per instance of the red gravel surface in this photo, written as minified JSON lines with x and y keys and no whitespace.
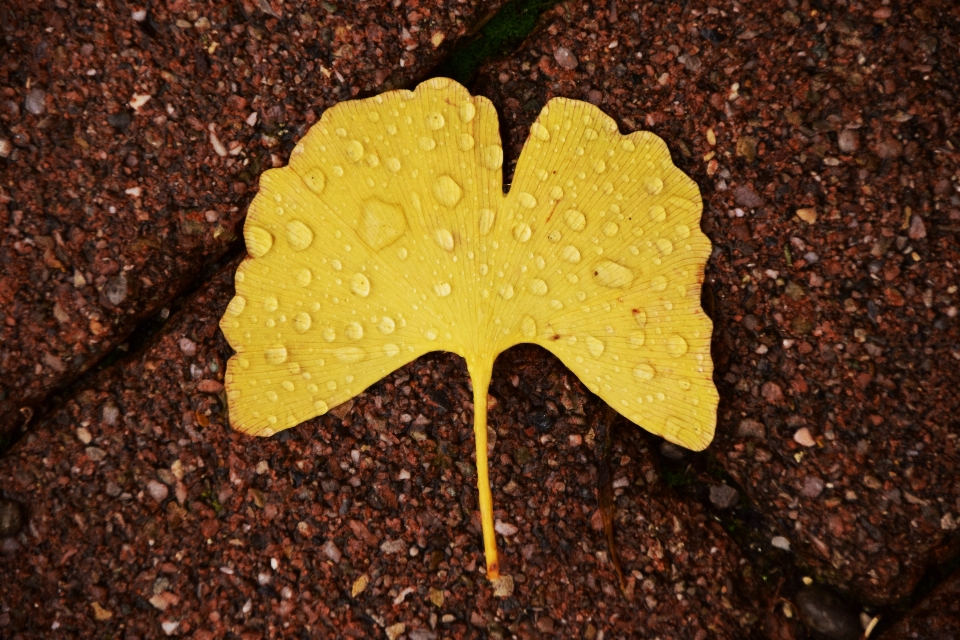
{"x":147,"y":514}
{"x":825,"y":143}
{"x":131,"y":141}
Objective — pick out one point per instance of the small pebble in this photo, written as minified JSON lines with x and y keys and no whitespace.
{"x":157,"y":490}
{"x":11,"y":518}
{"x":917,"y":230}
{"x":505,"y":529}
{"x":671,"y":451}
{"x":751,"y":429}
{"x":36,"y":102}
{"x":724,"y":496}
{"x":803,"y":437}
{"x":565,"y":58}
{"x":812,"y":487}
{"x":848,"y":141}
{"x":331,"y":551}
{"x":188,"y":347}
{"x":747,"y":197}
{"x":807,"y":215}
{"x":780,"y":542}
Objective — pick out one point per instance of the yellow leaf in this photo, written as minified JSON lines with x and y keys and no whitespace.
{"x":388,"y":236}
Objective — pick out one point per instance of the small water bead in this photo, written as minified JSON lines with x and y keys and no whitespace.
{"x":336,"y":264}
{"x":594,"y":346}
{"x":270,"y":323}
{"x":613,"y":275}
{"x":640,"y":316}
{"x":299,"y":235}
{"x":538,"y":287}
{"x":270,"y":304}
{"x":556,"y":193}
{"x":331,"y":385}
{"x":353,"y":330}
{"x":259,"y":241}
{"x":600,"y":166}
{"x":315,"y":180}
{"x":554,"y":236}
{"x":637,"y":338}
{"x":664,"y":246}
{"x":540,"y":262}
{"x":302,"y":321}
{"x":465,"y":142}
{"x":386,"y":325}
{"x":447,"y":191}
{"x":349,"y":355}
{"x":658,"y":283}
{"x":427,"y":143}
{"x":442,"y":289}
{"x":271,"y":395}
{"x":644,"y":372}
{"x":467,"y":111}
{"x":654,"y":185}
{"x":320,"y":407}
{"x":542,"y":174}
{"x":575,"y":220}
{"x":527,"y":200}
{"x":444,"y":239}
{"x":610,"y":229}
{"x":435,"y":121}
{"x":304,"y":276}
{"x":340,"y":131}
{"x":556,"y":305}
{"x":506,"y":291}
{"x":240,"y":277}
{"x":570,"y":254}
{"x":360,"y":285}
{"x":236,"y":306}
{"x":540,"y":132}
{"x":528,"y":327}
{"x":492,"y":157}
{"x":684,"y":384}
{"x":657,"y":213}
{"x":628,"y":145}
{"x":391,"y":350}
{"x":354,"y":150}
{"x":276,"y":354}
{"x":242,"y":362}
{"x":393,"y":164}
{"x":337,"y":170}
{"x":676,"y":346}
{"x":522,"y":232}
{"x":431,"y":334}
{"x":487,"y":218}
{"x":287,"y":385}
{"x":294,"y":369}
{"x":329,"y":334}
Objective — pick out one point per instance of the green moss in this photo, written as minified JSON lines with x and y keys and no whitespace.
{"x":503,"y":33}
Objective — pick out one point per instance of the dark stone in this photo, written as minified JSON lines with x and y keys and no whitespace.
{"x":823,"y":611}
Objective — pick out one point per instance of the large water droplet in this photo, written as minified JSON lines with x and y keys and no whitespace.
{"x":594,"y":346}
{"x":348,"y":355}
{"x":664,"y":246}
{"x":522,"y":232}
{"x":427,"y":143}
{"x":575,"y":220}
{"x":467,"y":111}
{"x":610,"y":229}
{"x":528,"y":327}
{"x":676,"y":346}
{"x":276,"y":354}
{"x":381,"y":223}
{"x":556,"y":193}
{"x":613,"y":275}
{"x":386,"y":325}
{"x":435,"y":121}
{"x":315,"y":180}
{"x":570,"y":254}
{"x":258,"y":240}
{"x":360,"y":285}
{"x":589,"y":133}
{"x":304,"y":276}
{"x":644,"y":372}
{"x":447,"y":191}
{"x":442,"y":289}
{"x":444,"y":239}
{"x":683,"y":231}
{"x":654,"y":185}
{"x":465,"y":142}
{"x":391,"y":350}
{"x":236,"y":306}
{"x":657,"y":213}
{"x":299,"y":235}
{"x":600,"y":166}
{"x":658,"y":283}
{"x":302,"y":322}
{"x":526,"y":200}
{"x":270,"y":304}
{"x":538,"y":287}
{"x":487,"y":218}
{"x":637,"y":338}
{"x":493,"y":157}
{"x":540,"y":132}
{"x":320,"y":407}
{"x":354,"y":150}
{"x":329,"y":334}
{"x":393,"y":164}
{"x":353,"y":330}
{"x":506,"y":291}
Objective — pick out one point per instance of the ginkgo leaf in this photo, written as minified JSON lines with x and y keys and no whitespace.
{"x":388,"y":236}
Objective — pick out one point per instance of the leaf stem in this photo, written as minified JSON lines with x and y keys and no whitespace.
{"x":480,"y":376}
